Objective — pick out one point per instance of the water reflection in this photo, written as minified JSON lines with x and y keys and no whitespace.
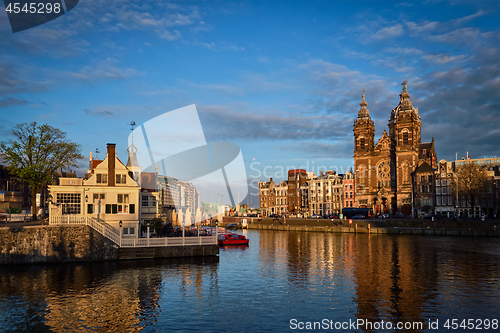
{"x":261,"y":287}
{"x":107,"y":296}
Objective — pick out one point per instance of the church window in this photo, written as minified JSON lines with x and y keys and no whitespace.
{"x":405,"y":138}
{"x":362,"y":143}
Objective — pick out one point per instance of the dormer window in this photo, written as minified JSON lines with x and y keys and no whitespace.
{"x":121,"y":179}
{"x":101,"y":178}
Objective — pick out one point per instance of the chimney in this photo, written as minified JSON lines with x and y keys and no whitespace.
{"x":111,"y":163}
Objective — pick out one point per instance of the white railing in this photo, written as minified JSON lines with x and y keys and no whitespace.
{"x":168,"y":241}
{"x":109,"y":232}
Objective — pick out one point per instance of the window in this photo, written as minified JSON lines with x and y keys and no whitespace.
{"x":102,"y":178}
{"x":362,"y":143}
{"x":450,"y":202}
{"x":438,"y":201}
{"x":145,"y":201}
{"x":70,"y":203}
{"x":429,"y":178}
{"x":405,"y":138}
{"x":121,"y":179}
{"x":422,"y":179}
{"x":444,"y":191}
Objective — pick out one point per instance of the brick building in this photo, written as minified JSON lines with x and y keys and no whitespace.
{"x":383,"y":169}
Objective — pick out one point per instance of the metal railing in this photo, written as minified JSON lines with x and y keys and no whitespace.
{"x":109,"y":232}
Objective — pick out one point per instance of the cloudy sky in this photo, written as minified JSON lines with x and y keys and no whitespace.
{"x":282,"y":79}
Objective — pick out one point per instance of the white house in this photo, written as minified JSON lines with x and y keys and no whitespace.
{"x":107,"y":192}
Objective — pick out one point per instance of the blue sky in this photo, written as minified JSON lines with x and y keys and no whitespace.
{"x":282,"y":79}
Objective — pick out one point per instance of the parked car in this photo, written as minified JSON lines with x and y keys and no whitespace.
{"x":315,"y":216}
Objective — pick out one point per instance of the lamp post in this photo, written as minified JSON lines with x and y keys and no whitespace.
{"x":216,"y":228}
{"x":121,"y":224}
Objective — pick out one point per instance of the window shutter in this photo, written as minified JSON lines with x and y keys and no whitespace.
{"x":108,"y":209}
{"x":132,"y":208}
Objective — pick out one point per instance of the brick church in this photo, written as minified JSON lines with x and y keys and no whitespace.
{"x":384,"y":169}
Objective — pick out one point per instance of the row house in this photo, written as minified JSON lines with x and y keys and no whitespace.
{"x":280,"y":194}
{"x":325,"y":193}
{"x":296,"y":178}
{"x":445,"y":199}
{"x":311,"y":195}
{"x":348,"y":190}
{"x":424,"y":190}
{"x":266,"y":201}
{"x":273,"y":198}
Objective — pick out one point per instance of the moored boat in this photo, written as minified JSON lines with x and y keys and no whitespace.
{"x":232,"y":239}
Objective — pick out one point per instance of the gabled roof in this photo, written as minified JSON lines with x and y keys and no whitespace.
{"x":424,"y":168}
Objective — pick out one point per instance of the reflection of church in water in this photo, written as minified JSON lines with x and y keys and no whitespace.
{"x":383,"y":169}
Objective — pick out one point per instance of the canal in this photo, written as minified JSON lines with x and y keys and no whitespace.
{"x":283,"y":281}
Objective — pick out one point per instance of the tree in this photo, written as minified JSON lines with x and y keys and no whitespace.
{"x":36,"y":153}
{"x":470,"y":181}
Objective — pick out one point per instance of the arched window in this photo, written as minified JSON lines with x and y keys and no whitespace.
{"x":405,"y":137}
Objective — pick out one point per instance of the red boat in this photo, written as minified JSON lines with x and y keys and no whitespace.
{"x":232,"y":239}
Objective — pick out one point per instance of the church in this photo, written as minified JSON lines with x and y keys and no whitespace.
{"x":383,"y":170}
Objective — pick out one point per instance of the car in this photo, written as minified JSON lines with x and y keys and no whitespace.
{"x":358,"y":217}
{"x":315,"y":216}
{"x":274,"y":215}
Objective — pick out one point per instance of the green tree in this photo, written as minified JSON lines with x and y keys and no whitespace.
{"x":35,"y":153}
{"x":470,"y":181}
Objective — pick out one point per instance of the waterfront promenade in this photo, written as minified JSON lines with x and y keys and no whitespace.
{"x":377,"y":226}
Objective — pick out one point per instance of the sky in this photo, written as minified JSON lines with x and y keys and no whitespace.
{"x":281,"y":79}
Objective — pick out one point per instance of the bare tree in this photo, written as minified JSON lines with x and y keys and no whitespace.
{"x":470,"y":181}
{"x":36,"y":153}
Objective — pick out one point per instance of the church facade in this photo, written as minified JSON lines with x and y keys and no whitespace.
{"x":383,"y":169}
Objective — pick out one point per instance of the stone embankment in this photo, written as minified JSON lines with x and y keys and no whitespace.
{"x":78,"y":243}
{"x":373,"y":226}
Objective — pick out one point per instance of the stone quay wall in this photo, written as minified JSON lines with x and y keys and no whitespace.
{"x":54,"y":243}
{"x":394,"y":230}
{"x":79,"y":243}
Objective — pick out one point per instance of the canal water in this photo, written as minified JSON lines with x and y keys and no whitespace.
{"x":283,"y":281}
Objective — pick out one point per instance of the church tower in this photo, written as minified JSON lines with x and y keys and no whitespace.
{"x":404,"y":130}
{"x":404,"y":124}
{"x":364,"y":131}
